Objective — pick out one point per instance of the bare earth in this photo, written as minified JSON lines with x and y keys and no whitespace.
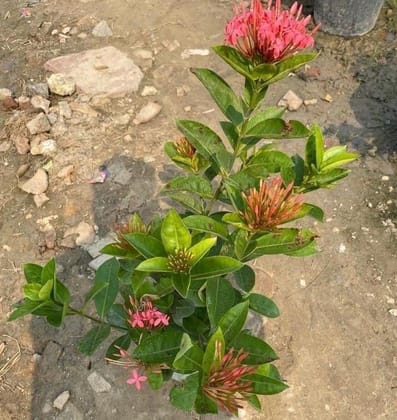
{"x":336,"y":336}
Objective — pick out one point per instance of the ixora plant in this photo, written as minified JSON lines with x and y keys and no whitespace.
{"x":178,"y":290}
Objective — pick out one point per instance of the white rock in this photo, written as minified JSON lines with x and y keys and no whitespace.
{"x":61,"y":85}
{"x":46,"y":147}
{"x":291,"y":101}
{"x":102,"y":29}
{"x":38,"y":184}
{"x":147,"y":113}
{"x":142,"y":53}
{"x":194,"y":51}
{"x":5,"y":93}
{"x":66,"y":30}
{"x":342,"y":248}
{"x":61,"y":400}
{"x":98,"y":383}
{"x":39,"y":124}
{"x":39,"y":102}
{"x":85,"y":233}
{"x":149,"y":91}
{"x":40,"y":199}
{"x":385,"y":178}
{"x":310,"y":101}
{"x":393,"y":312}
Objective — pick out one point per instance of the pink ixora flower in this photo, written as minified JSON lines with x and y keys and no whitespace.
{"x":136,"y":379}
{"x":146,"y":316}
{"x":269,"y":35}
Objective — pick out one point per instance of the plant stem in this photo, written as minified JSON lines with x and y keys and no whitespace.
{"x":96,"y":320}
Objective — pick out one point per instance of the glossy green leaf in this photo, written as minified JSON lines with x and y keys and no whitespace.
{"x":265,"y":385}
{"x":315,"y":148}
{"x":190,"y":356}
{"x":194,"y":205}
{"x":193,"y":183}
{"x":117,"y":316}
{"x":161,"y":347}
{"x":206,"y":224}
{"x":290,"y":64}
{"x":306,"y":251}
{"x":155,"y":380}
{"x":263,"y":305}
{"x":325,"y":179}
{"x":235,"y":219}
{"x":31,"y":291}
{"x":200,"y":249}
{"x":95,"y":289}
{"x":181,"y":283}
{"x":265,"y":114}
{"x":253,"y":400}
{"x":209,"y":267}
{"x":230,"y":132}
{"x":235,"y":60}
{"x":107,"y":273}
{"x":115,"y":250}
{"x":32,"y":273}
{"x":181,"y":309}
{"x":48,"y":272}
{"x":245,"y":278}
{"x":221,"y":93}
{"x":174,"y":234}
{"x":55,"y":317}
{"x":155,"y":265}
{"x":184,"y":395}
{"x":204,"y":405}
{"x":220,"y":298}
{"x":214,"y":351}
{"x":61,"y":293}
{"x":264,"y":71}
{"x":95,"y":336}
{"x":299,"y":169}
{"x":45,"y":291}
{"x":147,"y":245}
{"x":258,"y":351}
{"x":207,"y":143}
{"x":335,"y":157}
{"x":311,"y":210}
{"x":122,"y":342}
{"x":280,"y":241}
{"x":233,"y":321}
{"x":241,"y":241}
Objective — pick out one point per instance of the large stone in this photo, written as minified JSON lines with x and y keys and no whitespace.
{"x":39,"y":124}
{"x":98,"y":383}
{"x":22,"y":144}
{"x":105,"y":71}
{"x":38,"y":184}
{"x":61,"y":84}
{"x":39,"y":102}
{"x":102,"y":30}
{"x":61,"y":400}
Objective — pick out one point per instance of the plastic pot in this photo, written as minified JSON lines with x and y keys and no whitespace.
{"x":347,"y":17}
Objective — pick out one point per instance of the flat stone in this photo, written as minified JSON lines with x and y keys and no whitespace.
{"x":94,"y":248}
{"x":98,"y":383}
{"x":102,"y":30}
{"x":39,"y":124}
{"x":147,"y":113}
{"x":61,"y":84}
{"x":120,"y":76}
{"x":39,"y":102}
{"x":291,"y":101}
{"x":61,"y":400}
{"x":149,"y":91}
{"x":37,"y":184}
{"x":40,"y":200}
{"x":21,"y":143}
{"x":38,"y":89}
{"x":47,"y":147}
{"x":84,"y":233}
{"x":5,"y":93}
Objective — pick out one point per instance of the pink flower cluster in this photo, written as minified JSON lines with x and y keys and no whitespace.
{"x":269,"y":35}
{"x":147,"y":316}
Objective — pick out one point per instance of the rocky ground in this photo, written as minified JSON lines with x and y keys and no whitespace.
{"x":73,"y":164}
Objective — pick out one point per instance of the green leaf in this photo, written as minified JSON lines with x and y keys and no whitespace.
{"x":235,"y":60}
{"x":264,"y":71}
{"x":122,"y":342}
{"x":31,"y":291}
{"x":190,"y":356}
{"x":214,"y":351}
{"x":221,"y":93}
{"x":32,"y":273}
{"x":205,"y":405}
{"x":155,"y":265}
{"x":299,"y":168}
{"x":219,"y":299}
{"x":335,"y":157}
{"x":155,"y":380}
{"x":161,"y":347}
{"x":116,"y":250}
{"x":55,"y":317}
{"x":174,"y":233}
{"x":215,"y":266}
{"x":48,"y":272}
{"x":235,"y":219}
{"x":263,"y":305}
{"x":45,"y":291}
{"x":290,"y":64}
{"x":207,"y":143}
{"x":25,"y":308}
{"x":258,"y":351}
{"x":181,"y":309}
{"x":311,"y":210}
{"x":245,"y":278}
{"x":230,"y":132}
{"x":265,"y":114}
{"x":199,"y":250}
{"x":265,"y":385}
{"x":306,"y":251}
{"x":233,"y":321}
{"x":193,"y":183}
{"x":147,"y":245}
{"x":281,"y":241}
{"x":181,"y":283}
{"x":206,"y":224}
{"x":193,"y":204}
{"x":315,"y":148}
{"x":107,"y":273}
{"x":95,"y":336}
{"x":95,"y":289}
{"x":61,"y":293}
{"x":253,"y":400}
{"x":184,"y":395}
{"x":117,"y":316}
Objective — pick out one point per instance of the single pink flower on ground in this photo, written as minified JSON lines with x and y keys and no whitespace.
{"x":269,"y":35}
{"x":136,"y":379}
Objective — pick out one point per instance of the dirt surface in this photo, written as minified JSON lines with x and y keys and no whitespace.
{"x":336,"y":336}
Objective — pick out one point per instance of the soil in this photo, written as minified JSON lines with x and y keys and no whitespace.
{"x":336,"y":336}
